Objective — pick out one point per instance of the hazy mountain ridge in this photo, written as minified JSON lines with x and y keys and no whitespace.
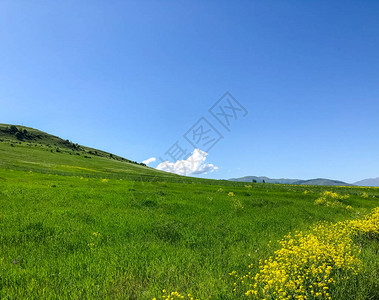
{"x":368,"y":182}
{"x":316,"y":181}
{"x":266,"y":179}
{"x":323,"y":181}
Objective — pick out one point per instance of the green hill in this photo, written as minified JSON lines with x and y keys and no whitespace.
{"x":28,"y":149}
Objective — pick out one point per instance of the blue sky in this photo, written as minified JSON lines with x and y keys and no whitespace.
{"x":131,"y":77}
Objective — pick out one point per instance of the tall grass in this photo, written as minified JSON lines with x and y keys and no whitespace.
{"x":78,"y":228}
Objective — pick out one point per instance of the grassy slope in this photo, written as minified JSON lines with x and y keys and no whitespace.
{"x":163,"y":231}
{"x":39,"y":154}
{"x":34,"y":136}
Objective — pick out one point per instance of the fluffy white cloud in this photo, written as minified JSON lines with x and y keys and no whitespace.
{"x":149,"y":160}
{"x":195,"y":164}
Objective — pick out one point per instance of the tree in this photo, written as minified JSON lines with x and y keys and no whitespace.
{"x":254,"y":181}
{"x":13,"y":129}
{"x":263,"y":181}
{"x":19,"y":135}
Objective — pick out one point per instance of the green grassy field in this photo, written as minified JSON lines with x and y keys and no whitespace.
{"x":74,"y":227}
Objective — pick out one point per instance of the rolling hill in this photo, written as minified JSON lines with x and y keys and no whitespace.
{"x":29,"y":149}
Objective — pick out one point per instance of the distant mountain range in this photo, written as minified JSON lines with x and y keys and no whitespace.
{"x":323,"y":181}
{"x":317,"y":181}
{"x":266,"y":179}
{"x":368,"y":182}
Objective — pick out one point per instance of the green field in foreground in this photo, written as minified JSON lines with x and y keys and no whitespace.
{"x":95,"y":228}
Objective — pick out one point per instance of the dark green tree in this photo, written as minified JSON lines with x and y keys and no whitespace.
{"x":19,"y":135}
{"x":13,"y":129}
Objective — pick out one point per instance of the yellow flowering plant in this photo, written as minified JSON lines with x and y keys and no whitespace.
{"x":331,"y":199}
{"x":306,"y":265}
{"x":174,"y":295}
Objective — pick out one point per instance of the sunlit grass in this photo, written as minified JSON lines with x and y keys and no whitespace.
{"x":126,"y":232}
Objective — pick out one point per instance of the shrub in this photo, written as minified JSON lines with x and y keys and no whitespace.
{"x":19,"y":135}
{"x":13,"y":129}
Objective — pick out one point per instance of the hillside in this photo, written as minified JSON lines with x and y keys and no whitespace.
{"x":22,"y":134}
{"x":29,"y":149}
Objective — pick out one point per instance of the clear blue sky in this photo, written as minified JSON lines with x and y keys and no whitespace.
{"x":131,"y":77}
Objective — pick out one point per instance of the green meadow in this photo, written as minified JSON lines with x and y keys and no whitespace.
{"x":79,"y":225}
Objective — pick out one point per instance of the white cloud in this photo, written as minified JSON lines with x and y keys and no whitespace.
{"x":149,"y":160}
{"x":195,"y":164}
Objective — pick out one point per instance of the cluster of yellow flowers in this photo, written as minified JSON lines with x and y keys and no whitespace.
{"x":175,"y":295}
{"x":237,"y":204}
{"x":95,"y":236}
{"x":369,"y":225}
{"x":364,"y":195}
{"x":358,"y":187}
{"x":306,"y":264}
{"x":104,"y":180}
{"x":331,"y":199}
